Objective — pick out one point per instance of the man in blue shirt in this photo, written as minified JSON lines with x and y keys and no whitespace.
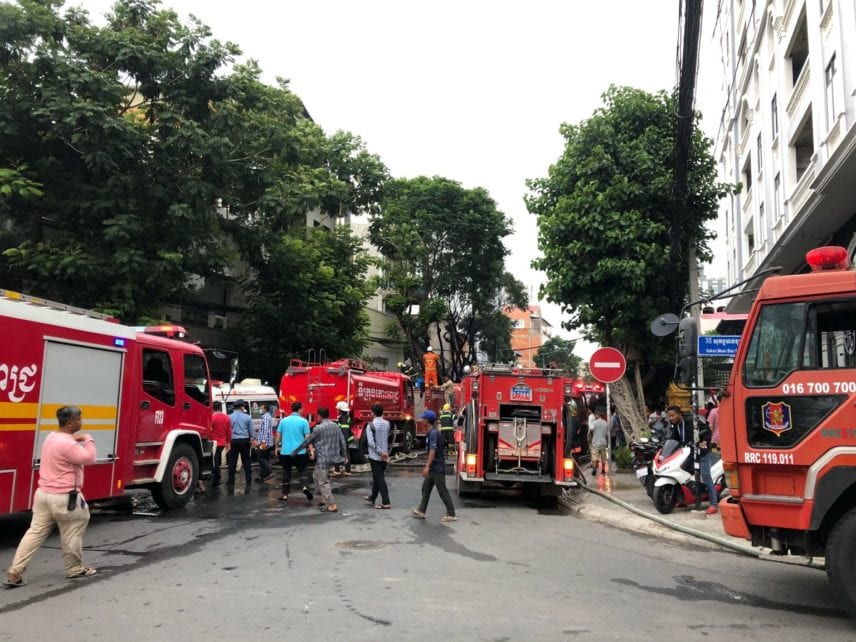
{"x":434,"y":471}
{"x":242,"y":440}
{"x":289,"y":433}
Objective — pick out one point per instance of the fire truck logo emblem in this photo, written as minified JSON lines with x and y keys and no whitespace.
{"x":521,"y":392}
{"x":777,"y":417}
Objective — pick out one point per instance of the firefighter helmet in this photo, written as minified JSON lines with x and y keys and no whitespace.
{"x":447,"y":406}
{"x":342,"y":406}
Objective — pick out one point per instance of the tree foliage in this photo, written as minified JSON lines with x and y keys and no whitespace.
{"x":136,"y":155}
{"x":604,"y":213}
{"x":443,"y":255}
{"x":309,"y":297}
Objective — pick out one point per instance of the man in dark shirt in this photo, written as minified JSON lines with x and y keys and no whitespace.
{"x":434,"y":471}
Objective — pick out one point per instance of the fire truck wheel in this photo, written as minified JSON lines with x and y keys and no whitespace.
{"x":179,"y":480}
{"x":841,"y":561}
{"x":665,"y":498}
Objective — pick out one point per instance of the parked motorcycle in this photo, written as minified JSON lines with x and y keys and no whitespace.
{"x":673,"y":481}
{"x":644,"y":450}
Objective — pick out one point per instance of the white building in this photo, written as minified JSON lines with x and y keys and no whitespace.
{"x":787,"y":131}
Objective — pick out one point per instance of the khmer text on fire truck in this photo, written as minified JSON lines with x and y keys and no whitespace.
{"x":145,"y":400}
{"x":351,"y":381}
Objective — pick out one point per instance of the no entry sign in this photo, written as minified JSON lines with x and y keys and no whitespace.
{"x":607,"y":365}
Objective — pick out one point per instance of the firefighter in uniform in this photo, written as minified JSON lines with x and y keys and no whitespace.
{"x":429,"y":361}
{"x":447,"y":427}
{"x":344,"y":422}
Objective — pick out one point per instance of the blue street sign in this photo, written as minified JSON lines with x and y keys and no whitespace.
{"x":718,"y":345}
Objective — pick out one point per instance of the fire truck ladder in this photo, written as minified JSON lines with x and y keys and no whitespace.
{"x":34,"y":300}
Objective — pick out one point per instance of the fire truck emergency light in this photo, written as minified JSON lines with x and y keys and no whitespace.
{"x":829,"y":257}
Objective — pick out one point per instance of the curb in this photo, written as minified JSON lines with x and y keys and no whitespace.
{"x":665,"y":527}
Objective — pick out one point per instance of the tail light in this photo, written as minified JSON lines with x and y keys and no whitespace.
{"x":732,"y":478}
{"x":471,"y":464}
{"x":568,"y":466}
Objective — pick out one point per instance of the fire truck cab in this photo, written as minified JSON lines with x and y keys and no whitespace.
{"x":145,"y":400}
{"x":514,"y":431}
{"x":788,"y":420}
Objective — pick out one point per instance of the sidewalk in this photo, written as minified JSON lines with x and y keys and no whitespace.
{"x":623,"y":502}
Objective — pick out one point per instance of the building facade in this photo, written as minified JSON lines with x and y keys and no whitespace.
{"x":787,"y":131}
{"x":529,"y":332}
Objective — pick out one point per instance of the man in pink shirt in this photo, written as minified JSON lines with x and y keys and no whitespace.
{"x":58,"y":500}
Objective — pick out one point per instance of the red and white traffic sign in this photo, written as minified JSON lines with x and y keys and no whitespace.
{"x":607,"y":365}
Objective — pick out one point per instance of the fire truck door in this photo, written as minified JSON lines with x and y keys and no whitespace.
{"x":88,"y":377}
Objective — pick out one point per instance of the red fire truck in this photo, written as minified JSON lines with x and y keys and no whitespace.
{"x":145,"y":400}
{"x":787,"y":422}
{"x":514,"y":431}
{"x":352,"y":381}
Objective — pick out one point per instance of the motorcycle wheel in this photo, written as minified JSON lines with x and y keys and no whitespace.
{"x":665,"y":498}
{"x":649,"y":485}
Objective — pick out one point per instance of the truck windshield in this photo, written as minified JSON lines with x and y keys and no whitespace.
{"x":793,"y":336}
{"x":774,"y":350}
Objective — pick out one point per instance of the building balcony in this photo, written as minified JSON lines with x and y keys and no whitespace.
{"x":746,"y":204}
{"x":800,"y":92}
{"x":803,"y":189}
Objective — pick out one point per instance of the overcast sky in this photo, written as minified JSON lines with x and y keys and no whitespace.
{"x":471,"y":90}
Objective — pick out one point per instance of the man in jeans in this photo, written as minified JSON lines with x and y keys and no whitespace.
{"x":378,"y":438}
{"x":434,"y":471}
{"x":265,"y":444}
{"x":243,"y":439}
{"x":330,"y":448}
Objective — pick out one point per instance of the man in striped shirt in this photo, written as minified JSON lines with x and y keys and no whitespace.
{"x":264,"y":445}
{"x":330,"y":448}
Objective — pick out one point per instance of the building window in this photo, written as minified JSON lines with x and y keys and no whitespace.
{"x":798,"y":51}
{"x":804,"y":147}
{"x":747,"y":175}
{"x":760,"y":156}
{"x":829,"y":88}
{"x":750,"y":242}
{"x":777,"y":197}
{"x":774,"y":111}
{"x":762,"y":225}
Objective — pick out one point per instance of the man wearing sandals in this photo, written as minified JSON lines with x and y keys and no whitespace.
{"x":330,"y":448}
{"x":58,"y":500}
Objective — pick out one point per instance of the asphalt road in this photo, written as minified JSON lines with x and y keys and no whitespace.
{"x":247,"y":566}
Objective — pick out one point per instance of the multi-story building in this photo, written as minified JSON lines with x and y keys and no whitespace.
{"x":530,"y":332}
{"x":787,"y":132}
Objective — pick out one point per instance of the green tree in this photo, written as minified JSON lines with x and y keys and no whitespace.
{"x":561,"y":352}
{"x":443,"y":264}
{"x":604,"y":218}
{"x":137,"y":155}
{"x":110,"y":123}
{"x":310,"y":296}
